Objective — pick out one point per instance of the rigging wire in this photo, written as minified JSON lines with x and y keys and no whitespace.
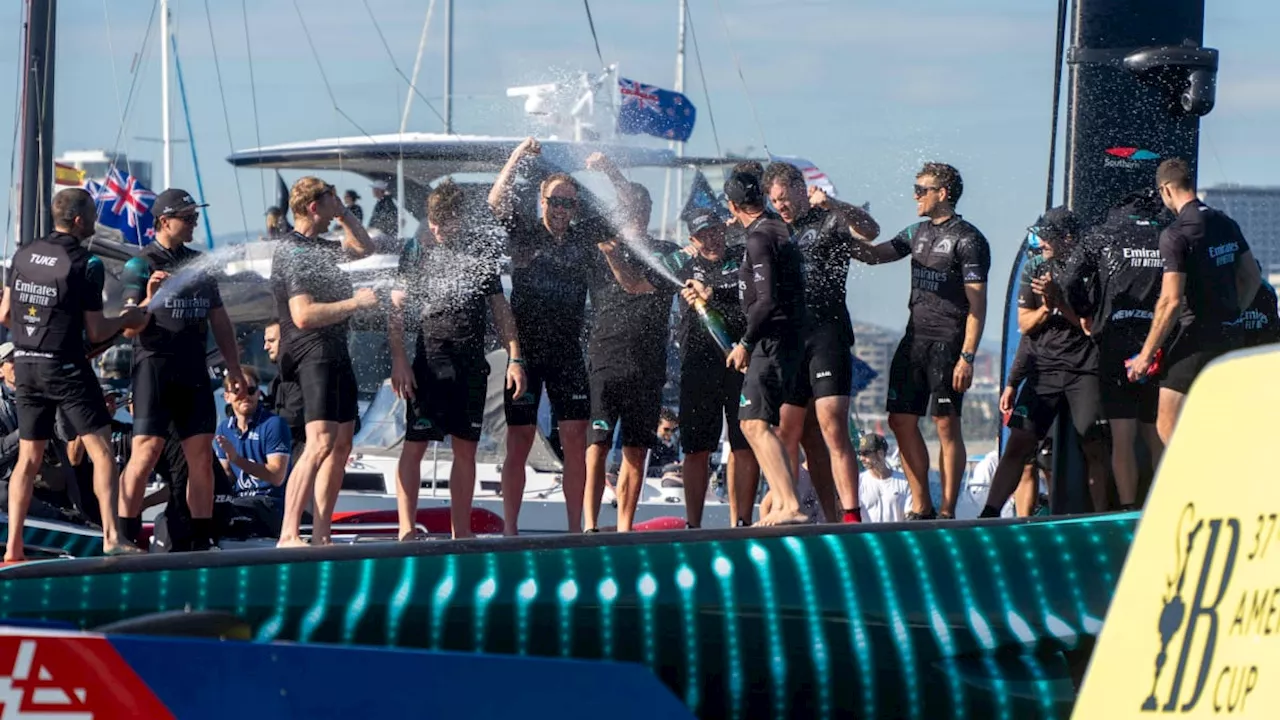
{"x":591,"y":23}
{"x":394,"y":64}
{"x":737,"y":62}
{"x":226,"y":118}
{"x":115,"y":78}
{"x":253,"y":90}
{"x":133,"y":84}
{"x":17,"y":116}
{"x":706,"y":91}
{"x":1057,"y":98}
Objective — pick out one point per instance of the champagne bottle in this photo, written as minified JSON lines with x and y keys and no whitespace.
{"x":714,"y":324}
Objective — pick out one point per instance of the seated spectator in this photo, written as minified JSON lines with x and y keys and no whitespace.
{"x":253,"y":446}
{"x":666,"y":452}
{"x":883,"y":492}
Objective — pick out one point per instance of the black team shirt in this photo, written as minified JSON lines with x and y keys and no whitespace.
{"x":826,"y":243}
{"x":631,"y":329}
{"x":944,"y":258}
{"x":549,"y":280}
{"x":180,"y":327}
{"x":52,"y":283}
{"x":449,"y":286}
{"x":309,"y":266}
{"x":1057,"y":344}
{"x":696,"y":345}
{"x":1204,"y":244}
{"x":771,"y":280}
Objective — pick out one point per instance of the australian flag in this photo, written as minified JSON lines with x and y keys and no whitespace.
{"x":649,"y":110}
{"x":124,"y":204}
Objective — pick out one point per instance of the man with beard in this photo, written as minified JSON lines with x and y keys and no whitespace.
{"x":549,"y":258}
{"x":627,"y":349}
{"x":284,"y":397}
{"x":933,"y":366}
{"x":52,"y":301}
{"x":448,"y":281}
{"x":709,"y":390}
{"x":315,"y":301}
{"x":825,"y":230}
{"x":171,"y":383}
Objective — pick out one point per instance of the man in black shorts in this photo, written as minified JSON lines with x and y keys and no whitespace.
{"x":824,"y":229}
{"x":447,"y":281}
{"x":315,"y":301}
{"x":52,"y":301}
{"x":1062,"y":367}
{"x":1210,"y":277}
{"x":549,"y":260}
{"x":627,"y":350}
{"x":1120,"y":260}
{"x":933,"y":366}
{"x":771,"y":281}
{"x":171,"y":383}
{"x":709,"y":390}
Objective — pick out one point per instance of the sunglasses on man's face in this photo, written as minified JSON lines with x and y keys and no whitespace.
{"x":563,"y":203}
{"x":922,"y":190}
{"x":189,"y":218}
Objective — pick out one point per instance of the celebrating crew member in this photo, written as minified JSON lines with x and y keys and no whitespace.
{"x":447,"y":280}
{"x":1259,"y":324}
{"x":1062,"y":367}
{"x":1210,"y":277}
{"x":1121,"y":259}
{"x":933,"y":366}
{"x":771,"y":280}
{"x":709,"y":390}
{"x":315,"y":301}
{"x":627,"y":350}
{"x":548,"y":299}
{"x":284,"y":397}
{"x":171,"y":383}
{"x":824,"y":230}
{"x":52,"y":301}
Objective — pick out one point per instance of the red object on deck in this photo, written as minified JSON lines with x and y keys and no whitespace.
{"x":660,"y":523}
{"x":435,"y":520}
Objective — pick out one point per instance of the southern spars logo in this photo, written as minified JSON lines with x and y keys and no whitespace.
{"x":1130,"y":158}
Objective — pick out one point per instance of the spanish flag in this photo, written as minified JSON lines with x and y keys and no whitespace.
{"x":67,"y":175}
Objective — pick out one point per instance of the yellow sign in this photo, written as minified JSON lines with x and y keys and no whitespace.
{"x":1194,"y":628}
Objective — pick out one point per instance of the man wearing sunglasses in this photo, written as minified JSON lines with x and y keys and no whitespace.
{"x":933,"y":366}
{"x":171,"y":383}
{"x":1210,"y":277}
{"x":550,"y":257}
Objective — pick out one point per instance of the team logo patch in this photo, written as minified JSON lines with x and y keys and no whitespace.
{"x":600,"y":425}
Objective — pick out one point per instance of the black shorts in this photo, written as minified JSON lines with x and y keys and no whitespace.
{"x":170,"y":390}
{"x":43,"y":387}
{"x":709,"y":398}
{"x":449,"y":399}
{"x":1043,"y":393}
{"x":827,"y":368}
{"x":770,"y":375}
{"x":630,"y":398}
{"x":920,"y":378}
{"x":566,"y":383}
{"x":329,"y":390}
{"x":1121,"y":399}
{"x":1187,"y":356}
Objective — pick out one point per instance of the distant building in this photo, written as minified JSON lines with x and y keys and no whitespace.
{"x":1257,"y":210}
{"x":874,"y":345}
{"x":96,"y":163}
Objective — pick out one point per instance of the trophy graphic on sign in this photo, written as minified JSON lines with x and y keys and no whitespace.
{"x":1174,"y":607}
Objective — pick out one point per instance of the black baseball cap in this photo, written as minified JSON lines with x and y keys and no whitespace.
{"x":702,"y":219}
{"x":174,"y":202}
{"x":1056,"y":224}
{"x":744,"y":189}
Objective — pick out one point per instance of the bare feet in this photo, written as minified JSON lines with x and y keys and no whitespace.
{"x":293,"y":542}
{"x":14,"y":559}
{"x":121,"y":549}
{"x":782,"y":516}
{"x":465,"y":535}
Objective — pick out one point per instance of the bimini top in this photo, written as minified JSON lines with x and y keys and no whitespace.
{"x":428,"y":156}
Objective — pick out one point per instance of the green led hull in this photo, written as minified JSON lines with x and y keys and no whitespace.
{"x":947,"y":620}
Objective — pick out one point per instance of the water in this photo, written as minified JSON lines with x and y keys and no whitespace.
{"x":646,"y":255}
{"x":211,"y":263}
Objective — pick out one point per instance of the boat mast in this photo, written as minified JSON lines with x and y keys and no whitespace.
{"x":37,"y":122}
{"x":165,"y":139}
{"x":677,"y":146}
{"x":404,"y":117}
{"x":448,"y":67}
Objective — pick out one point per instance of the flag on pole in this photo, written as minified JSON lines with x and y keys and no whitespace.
{"x":650,"y":110}
{"x":124,"y":204}
{"x":701,"y":197}
{"x":67,"y":175}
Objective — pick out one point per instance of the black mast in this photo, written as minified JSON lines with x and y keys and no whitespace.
{"x":36,"y":190}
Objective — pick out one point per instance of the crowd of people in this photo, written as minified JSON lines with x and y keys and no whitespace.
{"x":1117,"y":320}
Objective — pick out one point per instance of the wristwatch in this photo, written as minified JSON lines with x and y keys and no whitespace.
{"x":967,"y":357}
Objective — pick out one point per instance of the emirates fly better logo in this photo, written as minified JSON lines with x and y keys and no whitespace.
{"x":1129,"y":158}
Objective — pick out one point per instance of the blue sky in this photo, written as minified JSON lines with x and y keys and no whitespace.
{"x":867,"y":89}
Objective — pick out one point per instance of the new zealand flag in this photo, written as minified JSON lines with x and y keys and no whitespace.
{"x":124,"y":204}
{"x":649,"y":110}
